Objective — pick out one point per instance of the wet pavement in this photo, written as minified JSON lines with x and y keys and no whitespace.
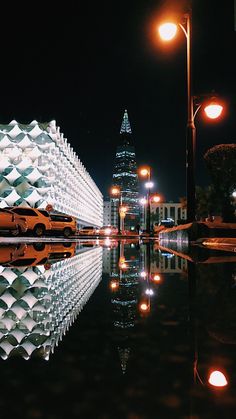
{"x":115,"y":329}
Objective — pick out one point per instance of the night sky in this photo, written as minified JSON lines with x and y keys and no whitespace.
{"x":83,"y":63}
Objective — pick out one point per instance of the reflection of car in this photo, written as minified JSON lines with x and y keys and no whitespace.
{"x":12,"y":222}
{"x":11,"y":252}
{"x":89,"y":231}
{"x":35,"y":254}
{"x":108,"y":230}
{"x":107,"y":242}
{"x":38,"y":220}
{"x":61,"y":223}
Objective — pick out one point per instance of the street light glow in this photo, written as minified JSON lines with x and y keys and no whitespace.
{"x":144,"y":307}
{"x":213,"y":110}
{"x":156,"y":198}
{"x":143,"y":201}
{"x":114,"y":285}
{"x":167,"y":31}
{"x":156,"y":278}
{"x":144,"y":171}
{"x":149,"y":291}
{"x":149,"y":185}
{"x":217,"y":379}
{"x":115,"y":190}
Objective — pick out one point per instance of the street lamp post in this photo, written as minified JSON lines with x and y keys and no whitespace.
{"x":167,"y":32}
{"x":116,"y":192}
{"x":190,"y":129}
{"x":146,"y":172}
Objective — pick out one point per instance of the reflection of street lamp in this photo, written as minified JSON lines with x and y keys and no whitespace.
{"x":122,"y":212}
{"x":216,"y":378}
{"x":167,"y":32}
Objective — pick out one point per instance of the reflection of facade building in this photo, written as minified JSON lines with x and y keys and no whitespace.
{"x":164,"y":210}
{"x":37,"y":306}
{"x":39,"y":167}
{"x":125,"y":175}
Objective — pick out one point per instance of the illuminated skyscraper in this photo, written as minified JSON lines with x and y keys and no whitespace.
{"x":125,"y":173}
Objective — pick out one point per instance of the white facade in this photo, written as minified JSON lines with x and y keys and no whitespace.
{"x":39,"y":167}
{"x":166,"y":210}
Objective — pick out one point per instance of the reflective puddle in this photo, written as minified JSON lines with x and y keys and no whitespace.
{"x":107,"y":329}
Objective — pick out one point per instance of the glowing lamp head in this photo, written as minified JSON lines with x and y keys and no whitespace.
{"x":234,"y":194}
{"x":114,"y":285}
{"x":149,"y":185}
{"x":213,"y":110}
{"x":115,"y":191}
{"x":167,"y":31}
{"x":149,"y":291}
{"x":144,"y":171}
{"x":156,"y":198}
{"x":156,"y":278}
{"x":144,"y":307}
{"x":143,"y":201}
{"x":143,"y":274}
{"x":217,"y":379}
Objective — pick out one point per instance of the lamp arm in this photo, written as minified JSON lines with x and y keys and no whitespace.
{"x":196,"y":111}
{"x":184,"y":30}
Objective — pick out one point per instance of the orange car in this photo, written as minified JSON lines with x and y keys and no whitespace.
{"x":62,"y":223}
{"x":41,"y":221}
{"x":12,"y":222}
{"x":38,"y":220}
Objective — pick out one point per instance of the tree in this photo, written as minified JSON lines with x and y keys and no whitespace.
{"x":206,"y":202}
{"x":220,"y":161}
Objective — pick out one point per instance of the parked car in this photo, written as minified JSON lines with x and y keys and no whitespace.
{"x":61,"y":223}
{"x":89,"y":231}
{"x":108,"y":230}
{"x":11,"y":222}
{"x":38,"y":220}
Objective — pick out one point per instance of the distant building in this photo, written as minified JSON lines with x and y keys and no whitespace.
{"x":125,"y":174}
{"x":165,"y":210}
{"x":39,"y":167}
{"x":110,"y":212}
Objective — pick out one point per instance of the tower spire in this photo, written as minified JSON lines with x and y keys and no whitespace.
{"x":125,"y":126}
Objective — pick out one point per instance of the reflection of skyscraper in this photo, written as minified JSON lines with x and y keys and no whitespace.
{"x":38,"y":305}
{"x":125,"y":300}
{"x":125,"y":173}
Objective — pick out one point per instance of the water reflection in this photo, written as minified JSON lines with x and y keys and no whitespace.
{"x":157,"y":326}
{"x":43,"y":288}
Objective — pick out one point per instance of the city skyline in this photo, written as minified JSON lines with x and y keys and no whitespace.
{"x":84,"y":67}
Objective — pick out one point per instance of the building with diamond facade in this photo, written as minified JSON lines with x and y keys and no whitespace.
{"x":125,"y":175}
{"x":39,"y":167}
